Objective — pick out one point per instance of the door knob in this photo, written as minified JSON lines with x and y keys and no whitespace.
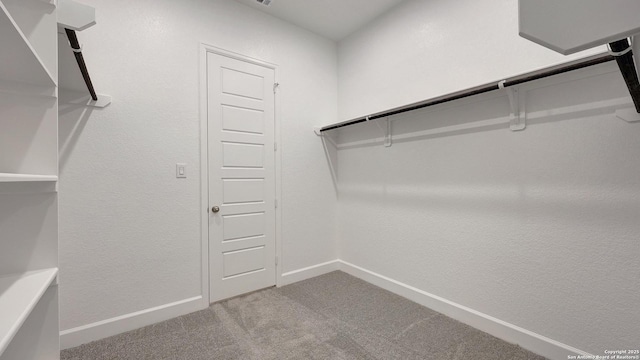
{"x":215,"y":209}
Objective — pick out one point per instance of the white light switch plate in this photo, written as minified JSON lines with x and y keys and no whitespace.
{"x":181,"y":170}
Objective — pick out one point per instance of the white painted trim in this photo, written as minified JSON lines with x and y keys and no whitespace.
{"x":237,"y":56}
{"x":204,"y":163}
{"x":529,"y":340}
{"x":278,"y":172}
{"x":117,"y":325}
{"x":204,"y":178}
{"x":309,"y":272}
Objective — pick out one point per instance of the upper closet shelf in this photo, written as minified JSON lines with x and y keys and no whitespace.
{"x":4,"y":177}
{"x":508,"y":85}
{"x":622,"y":54}
{"x":75,"y":16}
{"x":19,"y":294}
{"x":20,"y":62}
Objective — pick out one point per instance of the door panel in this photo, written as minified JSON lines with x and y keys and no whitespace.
{"x":247,"y":243}
{"x":241,"y":176}
{"x":243,"y":190}
{"x":238,"y":262}
{"x":243,"y":226}
{"x":239,"y":83}
{"x":243,"y":155}
{"x":242,"y":120}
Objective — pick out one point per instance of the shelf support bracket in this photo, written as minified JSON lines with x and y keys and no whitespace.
{"x":73,"y":17}
{"x":387,"y":136}
{"x":628,"y":114}
{"x":77,"y":52}
{"x":625,"y":55}
{"x":516,"y":118}
{"x":621,"y":50}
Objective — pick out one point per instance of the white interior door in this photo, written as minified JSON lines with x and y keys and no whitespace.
{"x":241,"y":120}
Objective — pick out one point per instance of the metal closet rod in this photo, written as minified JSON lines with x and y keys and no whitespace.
{"x":625,"y":62}
{"x":77,"y":51}
{"x":628,"y":69}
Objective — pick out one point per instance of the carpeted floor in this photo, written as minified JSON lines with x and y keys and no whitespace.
{"x":334,"y":316}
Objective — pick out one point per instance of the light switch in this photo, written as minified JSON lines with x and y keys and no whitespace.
{"x":181,"y":170}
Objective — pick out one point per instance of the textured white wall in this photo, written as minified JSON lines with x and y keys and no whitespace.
{"x":537,"y":228}
{"x":424,"y":49}
{"x":129,"y":230}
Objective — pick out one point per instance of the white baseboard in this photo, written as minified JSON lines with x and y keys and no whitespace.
{"x":309,"y":272}
{"x":529,"y":340}
{"x":117,"y":325}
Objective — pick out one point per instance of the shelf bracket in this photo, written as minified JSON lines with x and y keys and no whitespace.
{"x":387,"y":136}
{"x":516,"y":117}
{"x":77,"y":52}
{"x":635,"y":46}
{"x":621,"y":50}
{"x":73,"y":17}
{"x":82,"y":99}
{"x":629,"y":115}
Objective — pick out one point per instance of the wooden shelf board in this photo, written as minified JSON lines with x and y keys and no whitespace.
{"x":5,"y":177}
{"x":20,"y":62}
{"x":19,"y":294}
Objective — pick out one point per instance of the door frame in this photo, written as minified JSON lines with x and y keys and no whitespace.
{"x":204,"y":164}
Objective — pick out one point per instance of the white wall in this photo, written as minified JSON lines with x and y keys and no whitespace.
{"x":536,"y":228}
{"x":129,"y":230}
{"x":530,"y":227}
{"x":425,"y":49}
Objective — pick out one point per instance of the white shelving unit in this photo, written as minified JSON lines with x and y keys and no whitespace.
{"x":29,"y":328}
{"x":22,"y":63}
{"x":19,"y":295}
{"x":27,"y":178}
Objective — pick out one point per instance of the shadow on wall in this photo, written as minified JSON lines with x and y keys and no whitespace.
{"x":514,"y":224}
{"x":331,"y":152}
{"x":72,"y":120}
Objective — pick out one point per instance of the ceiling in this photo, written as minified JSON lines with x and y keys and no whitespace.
{"x":334,"y":19}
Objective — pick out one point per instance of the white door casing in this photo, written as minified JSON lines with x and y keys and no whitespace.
{"x":241,"y":162}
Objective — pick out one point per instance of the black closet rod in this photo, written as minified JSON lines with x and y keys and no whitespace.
{"x":77,"y":51}
{"x":625,"y":62}
{"x":624,"y":58}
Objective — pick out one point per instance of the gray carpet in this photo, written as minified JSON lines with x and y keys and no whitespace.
{"x":334,"y":316}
